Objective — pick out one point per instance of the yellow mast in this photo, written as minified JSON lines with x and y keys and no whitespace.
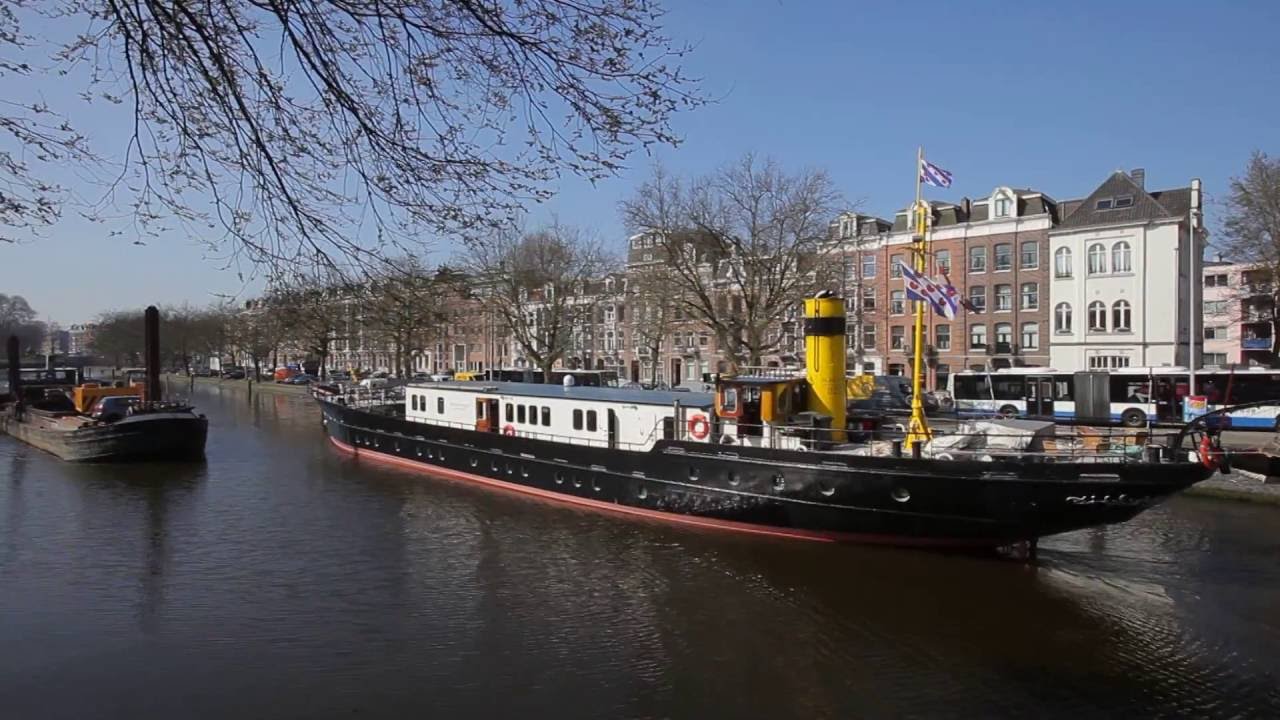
{"x":918,"y":427}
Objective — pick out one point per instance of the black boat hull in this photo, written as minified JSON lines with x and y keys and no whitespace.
{"x":159,"y":436}
{"x":776,"y":492}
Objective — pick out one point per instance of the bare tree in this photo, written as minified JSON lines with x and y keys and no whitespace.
{"x":406,"y":307}
{"x":317,"y":131}
{"x":538,"y":283}
{"x":1251,"y":233}
{"x":256,"y":332}
{"x":744,"y":246}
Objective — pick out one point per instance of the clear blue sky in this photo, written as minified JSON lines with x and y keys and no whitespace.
{"x":1049,"y":96}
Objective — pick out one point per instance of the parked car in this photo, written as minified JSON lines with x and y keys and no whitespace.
{"x":234,"y":374}
{"x":420,"y":377}
{"x":301,"y":379}
{"x":373,"y":383}
{"x":282,"y":374}
{"x":441,"y":377}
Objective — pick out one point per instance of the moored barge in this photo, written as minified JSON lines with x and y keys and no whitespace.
{"x":767,"y":454}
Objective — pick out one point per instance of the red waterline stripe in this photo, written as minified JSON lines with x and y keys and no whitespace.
{"x":692,"y":520}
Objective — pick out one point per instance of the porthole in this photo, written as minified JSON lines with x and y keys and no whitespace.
{"x":559,"y":478}
{"x":397,"y":448}
{"x":524,"y":471}
{"x":733,"y":477}
{"x":377,"y":443}
{"x":429,"y":454}
{"x":693,"y":473}
{"x":643,"y":492}
{"x":825,"y":489}
{"x":779,"y":482}
{"x":577,"y":481}
{"x":493,"y":465}
{"x":474,"y":462}
{"x":420,"y":452}
{"x":509,"y":469}
{"x":901,"y":494}
{"x":595,"y":484}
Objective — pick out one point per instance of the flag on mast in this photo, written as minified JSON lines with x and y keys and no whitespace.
{"x":931,"y":174}
{"x":925,"y":289}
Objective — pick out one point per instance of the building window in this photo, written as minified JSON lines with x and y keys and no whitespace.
{"x":897,"y":337}
{"x":1120,"y":316}
{"x":1004,"y":337}
{"x":1003,"y":205}
{"x":1062,"y":318}
{"x":943,"y":372}
{"x":977,"y":259}
{"x":897,"y":302}
{"x":1097,"y":259}
{"x":1108,"y":362}
{"x":1215,"y":307}
{"x":1215,"y":359}
{"x":1030,"y":336}
{"x":869,"y":337}
{"x":1030,"y":256}
{"x":1120,"y":257}
{"x":868,"y":298}
{"x":942,"y":261}
{"x":1004,"y":297}
{"x":591,"y":421}
{"x":1062,"y":263}
{"x":1215,"y":280}
{"x":1215,"y":332}
{"x":868,"y":266}
{"x":1004,"y":256}
{"x":978,"y":298}
{"x":977,"y":337}
{"x":1030,"y":296}
{"x":895,"y":266}
{"x":1123,"y":201}
{"x":1103,"y":204}
{"x":1097,"y":316}
{"x":896,"y":369}
{"x":943,"y":341}
{"x":577,"y":419}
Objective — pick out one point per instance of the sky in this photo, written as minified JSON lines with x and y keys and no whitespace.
{"x":1052,"y":96}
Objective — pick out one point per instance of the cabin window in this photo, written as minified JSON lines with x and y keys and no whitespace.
{"x":413,"y":402}
{"x":546,"y":417}
{"x":729,"y":400}
{"x":519,"y":414}
{"x":533,"y":414}
{"x":440,"y":405}
{"x":591,"y":421}
{"x":510,"y":413}
{"x":577,"y":419}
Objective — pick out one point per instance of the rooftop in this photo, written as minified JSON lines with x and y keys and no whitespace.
{"x":577,"y":392}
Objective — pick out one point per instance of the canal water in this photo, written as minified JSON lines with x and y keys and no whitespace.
{"x":281,"y":579}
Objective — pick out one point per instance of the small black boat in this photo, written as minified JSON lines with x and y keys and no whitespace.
{"x":766,"y":453}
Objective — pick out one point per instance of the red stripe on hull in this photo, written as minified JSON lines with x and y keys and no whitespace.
{"x":692,"y":520}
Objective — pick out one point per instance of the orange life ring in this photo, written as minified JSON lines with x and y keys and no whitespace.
{"x":509,"y":430}
{"x":699,"y":427}
{"x":1208,"y":457}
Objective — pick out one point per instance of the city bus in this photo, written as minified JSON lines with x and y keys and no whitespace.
{"x":1040,"y":392}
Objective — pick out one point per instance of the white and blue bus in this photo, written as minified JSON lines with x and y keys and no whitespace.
{"x":1136,"y":396}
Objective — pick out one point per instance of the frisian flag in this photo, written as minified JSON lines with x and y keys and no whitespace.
{"x":931,"y":174}
{"x":920,"y":287}
{"x":960,"y":300}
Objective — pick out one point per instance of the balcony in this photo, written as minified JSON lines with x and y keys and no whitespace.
{"x":1256,"y":343}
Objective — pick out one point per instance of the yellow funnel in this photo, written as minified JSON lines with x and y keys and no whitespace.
{"x":824,"y":357}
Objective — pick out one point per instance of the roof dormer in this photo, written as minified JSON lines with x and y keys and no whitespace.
{"x":1003,"y":204}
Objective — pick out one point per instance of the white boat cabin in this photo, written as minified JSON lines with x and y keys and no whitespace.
{"x":596,"y":416}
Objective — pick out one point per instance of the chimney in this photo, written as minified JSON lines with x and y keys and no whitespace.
{"x":1195,"y":194}
{"x":1139,"y":176}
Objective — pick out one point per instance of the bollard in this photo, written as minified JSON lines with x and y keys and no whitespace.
{"x":917,"y":449}
{"x":897,"y":448}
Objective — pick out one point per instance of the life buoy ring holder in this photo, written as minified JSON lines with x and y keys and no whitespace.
{"x":699,"y":427}
{"x":509,"y":430}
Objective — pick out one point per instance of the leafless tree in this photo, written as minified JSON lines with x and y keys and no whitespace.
{"x":1251,"y":233}
{"x":330,"y":131}
{"x":537,"y":284}
{"x":405,"y":307}
{"x":256,"y":332}
{"x":743,"y":246}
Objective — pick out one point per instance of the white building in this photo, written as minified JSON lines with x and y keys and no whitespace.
{"x":1122,"y":276}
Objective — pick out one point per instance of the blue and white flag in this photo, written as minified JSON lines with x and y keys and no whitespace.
{"x":931,"y":174}
{"x":919,"y":287}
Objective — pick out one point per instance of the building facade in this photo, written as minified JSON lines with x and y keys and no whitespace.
{"x":1238,"y":304}
{"x":1124,"y":260}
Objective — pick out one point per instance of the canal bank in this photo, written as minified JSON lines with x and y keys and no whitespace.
{"x":181,"y":384}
